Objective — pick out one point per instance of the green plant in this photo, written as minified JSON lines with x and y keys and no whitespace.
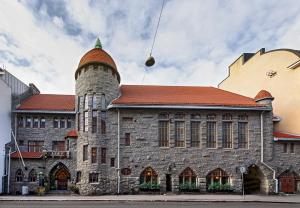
{"x":74,"y":188}
{"x":149,"y":186}
{"x":225,"y":187}
{"x":188,"y":186}
{"x":214,"y":187}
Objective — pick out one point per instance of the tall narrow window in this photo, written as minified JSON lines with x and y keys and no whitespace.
{"x":62,"y":123}
{"x":86,"y":102}
{"x":103,"y":102}
{"x":78,"y":121}
{"x":32,"y":176}
{"x":28,"y":122}
{"x":103,"y":155}
{"x":103,"y":122}
{"x":86,"y":121}
{"x":195,"y":134}
{"x":55,"y":122}
{"x":179,"y":134}
{"x":227,"y":131}
{"x":94,"y":101}
{"x":112,"y":162}
{"x":243,"y":134}
{"x":94,"y":154}
{"x":69,"y":122}
{"x":35,"y":123}
{"x":78,"y":103}
{"x":42,"y":122}
{"x":292,"y":148}
{"x":285,"y":147}
{"x":211,"y":134}
{"x":19,"y":175}
{"x":85,"y":153}
{"x":163,"y":133}
{"x":127,"y":139}
{"x":21,"y":122}
{"x":94,"y":121}
{"x":78,"y":176}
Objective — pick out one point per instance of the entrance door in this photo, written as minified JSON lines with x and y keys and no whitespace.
{"x":252,"y":180}
{"x":287,"y":183}
{"x":168,"y":182}
{"x":62,"y":179}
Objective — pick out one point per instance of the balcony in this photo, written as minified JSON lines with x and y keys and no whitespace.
{"x":57,"y":154}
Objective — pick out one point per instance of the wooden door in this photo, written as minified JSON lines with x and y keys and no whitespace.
{"x":287,"y":184}
{"x":62,"y":179}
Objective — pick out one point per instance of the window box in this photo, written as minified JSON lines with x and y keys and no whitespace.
{"x":152,"y":187}
{"x":217,"y":187}
{"x":188,"y":187}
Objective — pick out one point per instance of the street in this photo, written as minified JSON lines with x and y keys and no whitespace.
{"x":99,"y":204}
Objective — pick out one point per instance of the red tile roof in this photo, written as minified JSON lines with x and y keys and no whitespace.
{"x":27,"y":155}
{"x":181,"y":95}
{"x":263,"y":94}
{"x":49,"y":103}
{"x":97,"y":55}
{"x":72,"y":133}
{"x":286,"y":135}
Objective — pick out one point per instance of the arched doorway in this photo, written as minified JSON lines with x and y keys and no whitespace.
{"x":59,"y":177}
{"x":187,"y":180}
{"x":287,"y":182}
{"x":254,"y":180}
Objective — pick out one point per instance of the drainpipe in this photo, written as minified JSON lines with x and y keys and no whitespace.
{"x":8,"y":171}
{"x":262,"y":151}
{"x":118,"y":165}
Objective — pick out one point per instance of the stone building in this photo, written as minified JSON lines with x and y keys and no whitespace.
{"x":111,"y":138}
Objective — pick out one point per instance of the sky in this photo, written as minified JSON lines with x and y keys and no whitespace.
{"x":42,"y":41}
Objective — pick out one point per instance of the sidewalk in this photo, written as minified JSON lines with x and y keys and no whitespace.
{"x":160,"y":198}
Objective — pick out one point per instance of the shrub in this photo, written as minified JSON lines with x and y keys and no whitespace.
{"x":74,"y":188}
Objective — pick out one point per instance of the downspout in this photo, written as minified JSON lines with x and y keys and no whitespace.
{"x":262,"y":151}
{"x":8,"y":171}
{"x":118,"y":165}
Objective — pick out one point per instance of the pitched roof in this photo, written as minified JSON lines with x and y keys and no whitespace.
{"x":72,"y":133}
{"x":181,"y":95}
{"x":49,"y":103}
{"x":26,"y":155}
{"x":280,"y":136}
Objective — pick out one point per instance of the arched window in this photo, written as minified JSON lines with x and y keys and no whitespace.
{"x":19,"y":175}
{"x":103,"y":101}
{"x":94,"y":101}
{"x":188,"y":177}
{"x":32,"y":176}
{"x":217,"y":176}
{"x":148,"y":176}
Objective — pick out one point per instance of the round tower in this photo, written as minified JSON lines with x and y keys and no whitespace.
{"x":97,"y":84}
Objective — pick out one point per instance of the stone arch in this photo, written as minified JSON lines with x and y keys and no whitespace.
{"x":255,"y":180}
{"x":187,"y":176}
{"x":149,"y":175}
{"x":217,"y":176}
{"x":287,"y":181}
{"x":32,"y":175}
{"x":59,"y":177}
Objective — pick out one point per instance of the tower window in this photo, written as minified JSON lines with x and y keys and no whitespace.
{"x":103,"y":102}
{"x":85,"y":153}
{"x":112,"y":162}
{"x":62,"y":123}
{"x":94,"y":121}
{"x":103,"y":122}
{"x":292,"y":147}
{"x":28,"y":122}
{"x":94,"y":101}
{"x":86,"y":102}
{"x":86,"y":121}
{"x":69,"y":123}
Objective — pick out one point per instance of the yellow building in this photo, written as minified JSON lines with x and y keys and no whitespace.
{"x":278,"y":72}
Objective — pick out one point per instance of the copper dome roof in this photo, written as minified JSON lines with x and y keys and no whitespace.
{"x":97,"y":55}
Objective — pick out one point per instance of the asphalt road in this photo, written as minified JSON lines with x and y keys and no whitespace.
{"x":98,"y":204}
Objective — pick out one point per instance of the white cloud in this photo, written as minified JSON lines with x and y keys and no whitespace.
{"x":197,"y":40}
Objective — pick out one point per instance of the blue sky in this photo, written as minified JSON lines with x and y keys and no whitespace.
{"x":42,"y":42}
